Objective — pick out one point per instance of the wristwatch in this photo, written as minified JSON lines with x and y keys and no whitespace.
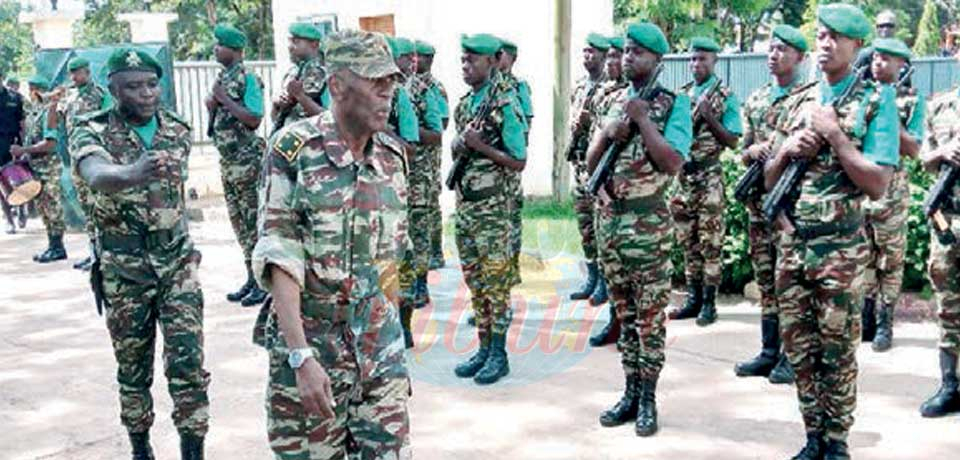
{"x":298,"y":356}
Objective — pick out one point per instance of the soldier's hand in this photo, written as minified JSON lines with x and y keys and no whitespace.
{"x":638,"y":110}
{"x":473,"y":139}
{"x":950,"y":155}
{"x":146,"y":168}
{"x":619,"y":131}
{"x":825,"y":121}
{"x":294,"y":89}
{"x":315,"y":389}
{"x":705,"y":109}
{"x":756,"y":152}
{"x":220,"y":94}
{"x":211,"y":103}
{"x":803,"y":144}
{"x":583,"y":120}
{"x":17,"y":151}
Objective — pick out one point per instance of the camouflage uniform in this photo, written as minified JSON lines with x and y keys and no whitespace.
{"x":85,"y":99}
{"x":337,"y":226}
{"x":424,"y":173}
{"x":515,"y":182}
{"x":47,"y":168}
{"x":583,"y":202}
{"x":241,"y":150}
{"x":435,"y":214}
{"x":314,"y":77}
{"x":820,"y":273}
{"x":149,"y":266}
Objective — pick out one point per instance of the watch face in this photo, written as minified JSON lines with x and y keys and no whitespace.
{"x":296,"y":359}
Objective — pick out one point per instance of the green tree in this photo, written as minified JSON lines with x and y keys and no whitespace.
{"x":928,"y":31}
{"x":16,"y":48}
{"x":683,"y":19}
{"x":809,"y":25}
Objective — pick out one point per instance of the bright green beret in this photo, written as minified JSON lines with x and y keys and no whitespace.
{"x":77,"y":63}
{"x":128,"y":59}
{"x":893,"y":47}
{"x":425,"y":48}
{"x":649,"y":36}
{"x":598,"y":41}
{"x":306,"y":31}
{"x":483,"y":44}
{"x":791,"y":36}
{"x":845,"y":19}
{"x":704,"y":44}
{"x":39,"y":81}
{"x":229,"y":36}
{"x":404,"y":46}
{"x":616,"y":42}
{"x":508,"y":46}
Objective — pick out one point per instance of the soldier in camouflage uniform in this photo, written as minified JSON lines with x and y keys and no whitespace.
{"x":332,"y":227}
{"x":492,"y":145}
{"x":134,"y":158}
{"x":886,"y":218}
{"x":941,"y":147}
{"x":40,"y":145}
{"x":305,"y":83}
{"x":852,"y":145}
{"x":760,"y":112}
{"x":425,"y":55}
{"x":85,"y":97}
{"x":698,"y":207}
{"x":236,"y":110}
{"x":634,"y":225}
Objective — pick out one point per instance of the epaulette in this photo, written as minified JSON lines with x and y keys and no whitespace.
{"x":392,"y":143}
{"x":175,"y":117}
{"x":100,"y":116}
{"x":291,"y":139}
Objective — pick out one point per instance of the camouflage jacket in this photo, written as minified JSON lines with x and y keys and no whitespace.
{"x":604,"y":98}
{"x":706,"y":150}
{"x":85,"y":99}
{"x":337,"y":225}
{"x":584,"y":97}
{"x":229,"y":134}
{"x":314,"y":77}
{"x":49,"y":164}
{"x":423,"y":166}
{"x":942,"y":129}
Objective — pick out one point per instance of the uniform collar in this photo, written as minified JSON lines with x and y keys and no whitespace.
{"x":699,"y":89}
{"x":830,"y":92}
{"x":779,"y":92}
{"x":337,"y":150}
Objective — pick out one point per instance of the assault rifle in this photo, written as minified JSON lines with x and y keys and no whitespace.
{"x":460,"y":165}
{"x":933,"y":205}
{"x":587,"y":102}
{"x":282,"y":116}
{"x":697,"y":116}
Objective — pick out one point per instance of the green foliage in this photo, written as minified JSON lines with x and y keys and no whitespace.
{"x":918,"y":231}
{"x":16,"y":48}
{"x":737,"y":265}
{"x":809,"y":24}
{"x":547,"y":208}
{"x":683,"y":19}
{"x":928,"y":33}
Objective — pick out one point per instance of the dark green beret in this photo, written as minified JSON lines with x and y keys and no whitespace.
{"x":306,"y":31}
{"x":791,"y":36}
{"x":77,"y":63}
{"x":404,"y":46}
{"x":845,"y":19}
{"x":39,"y":81}
{"x":704,"y":44}
{"x":649,"y":36}
{"x":483,"y":44}
{"x":893,"y":47}
{"x":616,"y":42}
{"x":229,"y":36}
{"x":425,"y":48}
{"x":508,"y":46}
{"x":128,"y":59}
{"x":598,"y":41}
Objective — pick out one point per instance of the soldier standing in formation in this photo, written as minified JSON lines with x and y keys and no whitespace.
{"x":698,"y":207}
{"x":425,"y":54}
{"x":304,"y":84}
{"x":134,"y":158}
{"x":235,"y":106}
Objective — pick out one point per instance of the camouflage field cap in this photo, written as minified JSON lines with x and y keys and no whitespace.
{"x":129,"y":59}
{"x":364,"y":53}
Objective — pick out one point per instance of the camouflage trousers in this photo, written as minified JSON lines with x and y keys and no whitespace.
{"x":763,"y":255}
{"x":819,"y":285}
{"x":636,"y":263}
{"x":698,"y":213}
{"x":485,"y":259}
{"x":435,"y":220}
{"x":145,"y":289}
{"x":584,"y":207}
{"x":86,"y":204}
{"x":364,"y":358}
{"x":240,"y":174}
{"x":886,"y":227}
{"x":47,"y":169}
{"x":516,"y":235}
{"x":944,"y":274}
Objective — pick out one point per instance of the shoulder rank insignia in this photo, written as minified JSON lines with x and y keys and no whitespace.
{"x":288,"y":145}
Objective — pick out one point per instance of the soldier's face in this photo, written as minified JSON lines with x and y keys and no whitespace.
{"x":406,"y":64}
{"x":702,"y":63}
{"x":301,"y":49}
{"x":476,"y":68}
{"x":638,"y":62}
{"x":886,"y":68}
{"x":80,"y":77}
{"x":886,"y":30}
{"x":783,"y":59}
{"x":835,"y":51}
{"x":614,"y":64}
{"x":592,"y":59}
{"x":424,"y":63}
{"x":363,"y":101}
{"x":225,"y":55}
{"x":137,"y":93}
{"x":506,"y":60}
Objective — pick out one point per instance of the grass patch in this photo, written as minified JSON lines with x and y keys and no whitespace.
{"x":548,"y":208}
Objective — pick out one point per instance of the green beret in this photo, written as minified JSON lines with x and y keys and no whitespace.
{"x":508,"y":46}
{"x":127,"y":59}
{"x":598,"y":41}
{"x":229,"y":36}
{"x":306,"y":31}
{"x":77,"y":63}
{"x":704,"y":44}
{"x":366,"y":54}
{"x":616,"y":42}
{"x":39,"y":81}
{"x":404,"y":46}
{"x":845,"y":19}
{"x":893,"y":47}
{"x":425,"y":48}
{"x":791,"y":36}
{"x":649,"y":36}
{"x":483,"y":44}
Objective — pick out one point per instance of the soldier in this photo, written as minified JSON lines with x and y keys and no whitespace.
{"x":941,"y":148}
{"x":11,"y":125}
{"x":886,"y":27}
{"x":886,"y":219}
{"x":491,"y":142}
{"x":332,"y":229}
{"x":698,"y":207}
{"x":633,"y":220}
{"x":425,"y":55}
{"x":582,"y":115}
{"x":40,"y":146}
{"x":852,"y":145}
{"x":787,"y":52}
{"x":304,"y":84}
{"x":235,"y":106}
{"x":134,"y":157}
{"x":85,"y":97}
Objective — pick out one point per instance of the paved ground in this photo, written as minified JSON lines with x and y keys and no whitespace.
{"x":58,"y":393}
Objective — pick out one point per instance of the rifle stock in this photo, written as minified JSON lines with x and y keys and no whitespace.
{"x":933,"y":204}
{"x":460,"y":164}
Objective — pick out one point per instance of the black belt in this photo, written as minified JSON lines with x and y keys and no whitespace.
{"x":634,"y":204}
{"x":142,"y":241}
{"x":479,"y":195}
{"x":692,"y":166}
{"x":809,"y":231}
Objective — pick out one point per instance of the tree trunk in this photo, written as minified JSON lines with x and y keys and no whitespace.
{"x":561,"y":97}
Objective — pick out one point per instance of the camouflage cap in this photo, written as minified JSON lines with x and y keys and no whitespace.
{"x":39,"y":81}
{"x":791,"y":36}
{"x":649,"y":36}
{"x":846,"y":20}
{"x":306,"y":31}
{"x":230,"y":36}
{"x":425,"y":48}
{"x":364,"y":53}
{"x":77,"y":63}
{"x":595,"y":40}
{"x":616,"y":42}
{"x":704,"y":44}
{"x":892,"y":47}
{"x":131,"y":59}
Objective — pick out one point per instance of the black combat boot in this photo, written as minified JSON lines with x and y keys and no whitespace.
{"x":256,"y":296}
{"x":586,"y":290}
{"x":783,"y":373}
{"x":708,"y":314}
{"x":836,"y":450}
{"x":239,"y":294}
{"x":471,"y":366}
{"x":140,"y":446}
{"x":947,"y":399}
{"x":647,"y":414}
{"x":406,"y":318}
{"x":883,"y":340}
{"x":868,"y":320}
{"x":626,"y":408}
{"x":191,"y":447}
{"x":84,"y":264}
{"x":497,"y":365}
{"x":610,"y":333}
{"x":55,"y":250}
{"x":761,"y":365}
{"x":600,"y":295}
{"x":693,"y":303}
{"x":421,"y":293}
{"x":813,"y":450}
